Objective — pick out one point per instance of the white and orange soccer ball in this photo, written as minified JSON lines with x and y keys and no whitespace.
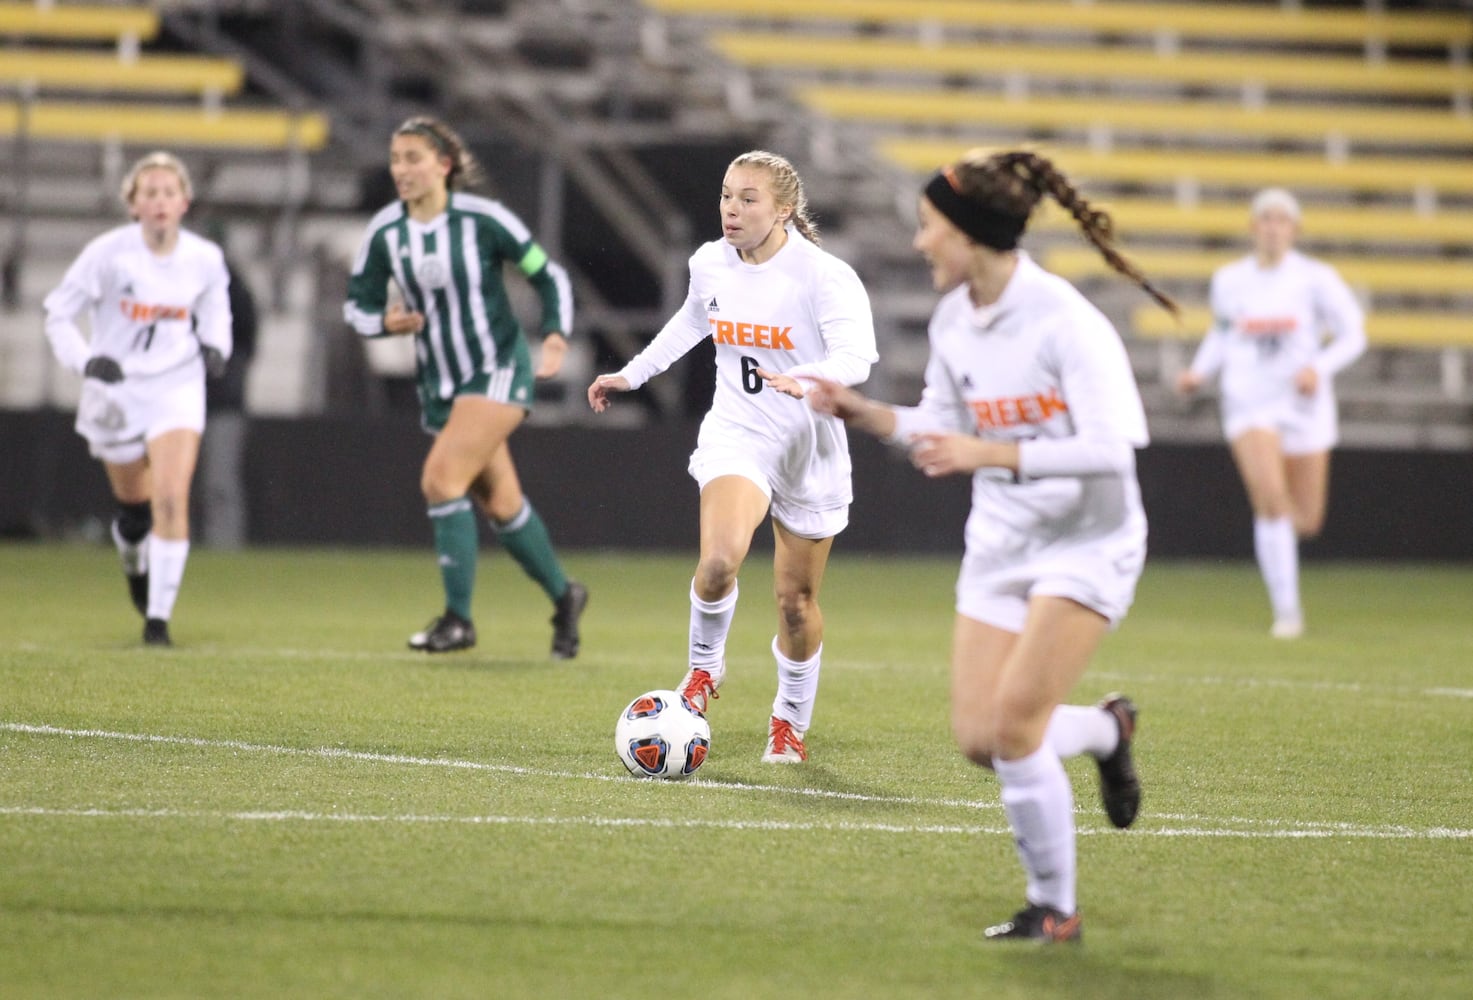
{"x":659,"y":735}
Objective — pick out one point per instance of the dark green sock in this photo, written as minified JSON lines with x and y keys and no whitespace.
{"x":526,"y":538}
{"x":456,"y":542}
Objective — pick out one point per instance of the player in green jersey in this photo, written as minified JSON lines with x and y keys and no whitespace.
{"x":443,"y":250}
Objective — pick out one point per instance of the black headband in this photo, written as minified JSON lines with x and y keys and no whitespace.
{"x":993,"y":229}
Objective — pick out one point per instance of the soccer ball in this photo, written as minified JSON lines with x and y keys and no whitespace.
{"x":660,"y":736}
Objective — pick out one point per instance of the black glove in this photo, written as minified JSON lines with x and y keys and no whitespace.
{"x":214,"y":361}
{"x":104,"y":369}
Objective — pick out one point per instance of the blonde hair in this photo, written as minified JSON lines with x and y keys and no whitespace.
{"x":787,"y":187}
{"x":157,"y":160}
{"x":465,"y":169}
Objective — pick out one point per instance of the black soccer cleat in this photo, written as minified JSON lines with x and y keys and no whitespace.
{"x":156,"y":632}
{"x":1042,"y":924}
{"x":138,"y":590}
{"x":565,"y":638}
{"x":445,"y":634}
{"x":1120,"y":787}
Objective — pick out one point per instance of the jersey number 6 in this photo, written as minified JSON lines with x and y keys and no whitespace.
{"x":751,"y":381}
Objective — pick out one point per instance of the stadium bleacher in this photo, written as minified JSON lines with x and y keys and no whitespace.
{"x":1169,"y":115}
{"x":81,"y":77}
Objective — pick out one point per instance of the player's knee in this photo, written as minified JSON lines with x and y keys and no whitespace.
{"x":715,"y":574}
{"x":795,"y":608}
{"x":1307,"y":527}
{"x":973,"y":737}
{"x":171,"y":515}
{"x":134,"y":521}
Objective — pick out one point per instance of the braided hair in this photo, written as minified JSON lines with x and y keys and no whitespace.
{"x":787,"y":187}
{"x":1011,"y":184}
{"x":465,"y":169}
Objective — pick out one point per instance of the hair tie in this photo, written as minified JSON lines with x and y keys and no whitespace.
{"x":988,"y":227}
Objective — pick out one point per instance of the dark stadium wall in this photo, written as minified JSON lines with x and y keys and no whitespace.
{"x":344,"y":481}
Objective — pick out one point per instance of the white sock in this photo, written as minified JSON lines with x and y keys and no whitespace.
{"x":797,"y":688}
{"x":1039,"y":802}
{"x":710,"y":621}
{"x":165,"y":574}
{"x":133,"y":554}
{"x":1277,"y":548}
{"x":1077,"y":729}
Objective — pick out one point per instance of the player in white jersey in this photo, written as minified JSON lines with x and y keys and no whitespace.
{"x":157,"y":302}
{"x":1028,"y":390}
{"x":781,"y":312}
{"x":443,"y":249}
{"x":1283,"y":325}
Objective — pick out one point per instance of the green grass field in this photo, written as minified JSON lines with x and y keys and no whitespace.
{"x":290,"y":804}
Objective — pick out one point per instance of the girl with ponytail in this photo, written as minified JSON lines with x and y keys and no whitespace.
{"x":1029,"y":392}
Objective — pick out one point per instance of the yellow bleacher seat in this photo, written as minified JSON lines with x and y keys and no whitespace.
{"x":1331,"y":74}
{"x":1380,"y":275}
{"x":1357,"y":124}
{"x":104,"y":71}
{"x":1211,"y":21}
{"x":169,"y":126}
{"x":1383,"y":329}
{"x":1381,"y":174}
{"x":1219,"y":220}
{"x":91,"y":22}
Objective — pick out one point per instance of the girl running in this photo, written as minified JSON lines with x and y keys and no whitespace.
{"x":157,"y":300}
{"x":1283,"y":325}
{"x":1029,"y":391}
{"x":782,"y":313}
{"x":443,"y":249}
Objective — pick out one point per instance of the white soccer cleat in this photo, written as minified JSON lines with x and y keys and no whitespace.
{"x":1287,"y":627}
{"x":784,"y":743}
{"x":698,"y":687}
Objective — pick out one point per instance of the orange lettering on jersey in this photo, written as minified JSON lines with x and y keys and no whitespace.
{"x":140,"y":312}
{"x":1267,"y":326}
{"x":776,"y":338}
{"x":1015,"y":411}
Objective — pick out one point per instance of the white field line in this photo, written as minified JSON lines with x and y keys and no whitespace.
{"x":615,"y":822}
{"x":1272,"y":828}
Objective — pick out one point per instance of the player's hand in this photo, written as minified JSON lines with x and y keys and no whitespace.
{"x":784,"y":384}
{"x":398,"y":320}
{"x":598,"y":392}
{"x":1307,"y":380}
{"x":104,"y":369}
{"x":1188,"y":382}
{"x":834,"y":399}
{"x":949,"y":454}
{"x":550,"y":359}
{"x":214,"y":361}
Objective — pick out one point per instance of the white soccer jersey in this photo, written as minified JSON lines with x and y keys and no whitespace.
{"x":148,"y":313}
{"x":1268,"y":323}
{"x":802,"y":313}
{"x":1044,"y":368}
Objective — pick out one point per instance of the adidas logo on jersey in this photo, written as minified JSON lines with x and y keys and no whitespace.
{"x":751,"y":335}
{"x":966,"y":382}
{"x":712,"y":306}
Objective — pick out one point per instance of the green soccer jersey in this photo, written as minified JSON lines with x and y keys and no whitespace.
{"x":449,"y":269}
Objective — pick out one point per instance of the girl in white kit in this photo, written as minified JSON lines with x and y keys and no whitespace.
{"x":1283,"y":325}
{"x":782,"y":313}
{"x":1029,"y":391}
{"x":157,"y":300}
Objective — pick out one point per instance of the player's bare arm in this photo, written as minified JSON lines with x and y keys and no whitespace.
{"x":950,"y":454}
{"x":598,"y":392}
{"x":550,"y":359}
